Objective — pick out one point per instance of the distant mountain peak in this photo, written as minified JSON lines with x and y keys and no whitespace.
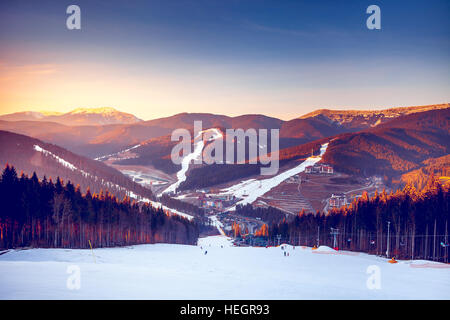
{"x":103,"y":110}
{"x":78,"y":116}
{"x":49,"y":113}
{"x":99,"y":116}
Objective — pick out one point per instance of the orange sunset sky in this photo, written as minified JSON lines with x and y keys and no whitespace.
{"x":154,"y":59}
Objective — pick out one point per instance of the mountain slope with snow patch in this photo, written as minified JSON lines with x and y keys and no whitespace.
{"x":249,"y":190}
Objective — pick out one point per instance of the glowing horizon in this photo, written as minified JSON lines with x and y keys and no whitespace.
{"x":154,"y":60}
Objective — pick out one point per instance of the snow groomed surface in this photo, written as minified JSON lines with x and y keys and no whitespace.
{"x":166,"y":271}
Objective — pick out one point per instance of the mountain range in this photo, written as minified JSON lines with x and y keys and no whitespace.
{"x":362,"y":119}
{"x":93,"y":138}
{"x":387,"y":142}
{"x":394,"y":147}
{"x":76,"y":117}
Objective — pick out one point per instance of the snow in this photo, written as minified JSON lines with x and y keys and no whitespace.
{"x":250,"y":190}
{"x":376,"y":123}
{"x":325,"y":249}
{"x":142,"y":178}
{"x":195,"y":155}
{"x":215,"y":241}
{"x":104,"y":110}
{"x":60,"y":160}
{"x":117,"y":153}
{"x":219,"y":225}
{"x":166,"y":271}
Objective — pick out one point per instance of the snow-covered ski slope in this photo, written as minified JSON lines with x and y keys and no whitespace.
{"x":249,"y":190}
{"x":195,"y":155}
{"x":166,"y":271}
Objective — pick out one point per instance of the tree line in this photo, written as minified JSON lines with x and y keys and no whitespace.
{"x":43,"y":213}
{"x":269,"y":215}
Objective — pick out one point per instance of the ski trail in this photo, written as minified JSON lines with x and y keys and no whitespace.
{"x":249,"y":190}
{"x":196,"y":154}
{"x":218,"y":224}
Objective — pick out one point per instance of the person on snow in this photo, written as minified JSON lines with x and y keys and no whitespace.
{"x":206,"y":252}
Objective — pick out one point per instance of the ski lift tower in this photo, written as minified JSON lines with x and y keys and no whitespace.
{"x":318,"y":236}
{"x":388,"y":235}
{"x":334,"y":232}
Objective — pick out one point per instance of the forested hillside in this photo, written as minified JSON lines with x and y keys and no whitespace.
{"x":46,"y":213}
{"x":439,"y":167}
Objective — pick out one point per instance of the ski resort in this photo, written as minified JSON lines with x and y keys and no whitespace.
{"x":224,"y":150}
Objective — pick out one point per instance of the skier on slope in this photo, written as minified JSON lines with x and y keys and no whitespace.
{"x":206,"y":252}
